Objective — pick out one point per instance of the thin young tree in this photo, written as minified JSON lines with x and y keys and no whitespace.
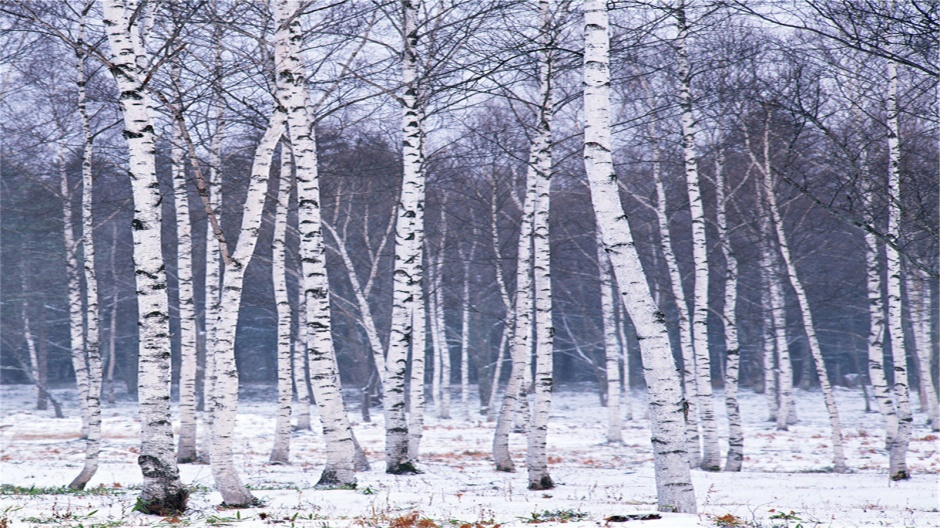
{"x":280,"y":453}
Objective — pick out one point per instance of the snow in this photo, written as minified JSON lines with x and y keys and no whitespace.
{"x":784,"y":482}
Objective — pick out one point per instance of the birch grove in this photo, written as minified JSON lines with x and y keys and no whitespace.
{"x":400,"y":197}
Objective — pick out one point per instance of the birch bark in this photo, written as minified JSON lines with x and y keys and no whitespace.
{"x":76,"y":310}
{"x":224,"y":398}
{"x":670,"y":459}
{"x":711,"y":454}
{"x":505,"y":329}
{"x":321,"y":355}
{"x":465,"y":333}
{"x":280,"y":452}
{"x":918,"y":291}
{"x":186,"y":449}
{"x":611,"y":347}
{"x":765,"y":168}
{"x":735,"y":456}
{"x":162,"y":493}
{"x":897,"y":459}
{"x":541,"y":157}
{"x":92,"y":352}
{"x":409,"y":227}
{"x":876,"y":334}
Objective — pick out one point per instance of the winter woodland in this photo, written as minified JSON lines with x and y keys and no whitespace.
{"x":469,"y":263}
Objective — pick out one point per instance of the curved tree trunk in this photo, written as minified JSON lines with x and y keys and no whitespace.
{"x":674,"y":489}
{"x":162,"y":493}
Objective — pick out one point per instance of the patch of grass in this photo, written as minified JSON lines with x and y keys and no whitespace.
{"x":729,"y":521}
{"x":412,"y":519}
{"x":12,"y":489}
{"x":554,"y":516}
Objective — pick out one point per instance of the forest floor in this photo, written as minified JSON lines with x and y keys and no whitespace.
{"x":785,"y":482}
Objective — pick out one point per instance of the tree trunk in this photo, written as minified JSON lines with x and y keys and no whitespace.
{"x":919,"y":292}
{"x":666,"y":405}
{"x":780,"y":238}
{"x":162,"y":493}
{"x":611,"y":347}
{"x":321,"y":355}
{"x":280,"y":453}
{"x":299,"y":359}
{"x":898,"y":457}
{"x":224,"y":398}
{"x":768,"y":327}
{"x":76,"y":310}
{"x":409,"y":227}
{"x":541,"y":157}
{"x":729,"y":314}
{"x":711,"y":454}
{"x":92,"y":353}
{"x":465,"y":334}
{"x":186,"y":450}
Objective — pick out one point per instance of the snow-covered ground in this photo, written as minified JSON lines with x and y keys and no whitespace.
{"x":785,"y":480}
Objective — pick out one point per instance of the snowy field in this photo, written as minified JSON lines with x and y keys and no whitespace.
{"x":784,"y":482}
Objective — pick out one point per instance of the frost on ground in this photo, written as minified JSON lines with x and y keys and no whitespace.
{"x":785,"y":480}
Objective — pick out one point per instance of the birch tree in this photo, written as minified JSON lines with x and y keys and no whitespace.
{"x":280,"y":453}
{"x":711,"y":455}
{"x":321,"y":355}
{"x":611,"y":346}
{"x":897,"y":459}
{"x":536,"y":455}
{"x":674,"y":489}
{"x":764,"y":166}
{"x":90,"y":359}
{"x":162,"y":493}
{"x":409,"y":227}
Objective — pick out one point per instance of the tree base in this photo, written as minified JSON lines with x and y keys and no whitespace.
{"x":404,"y":468}
{"x":544,"y":483}
{"x":172,"y":504}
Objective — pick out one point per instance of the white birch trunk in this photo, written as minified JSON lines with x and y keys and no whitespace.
{"x":521,"y":344}
{"x":186,"y":449}
{"x":735,"y":456}
{"x":280,"y":452}
{"x":611,"y":347}
{"x":321,"y":356}
{"x":76,"y":309}
{"x":838,"y":451}
{"x":440,"y":329}
{"x":507,"y":305}
{"x":409,"y":225}
{"x":685,"y":325}
{"x":769,"y":333}
{"x":465,"y":333}
{"x":784,"y":365}
{"x":918,"y":291}
{"x":438,"y":337}
{"x":711,"y":453}
{"x":625,"y":351}
{"x":666,"y":405}
{"x":162,"y":492}
{"x":417,"y":398}
{"x":541,"y":157}
{"x":224,"y":397}
{"x":897,"y":461}
{"x":92,"y":353}
{"x":876,"y":335}
{"x":299,"y":369}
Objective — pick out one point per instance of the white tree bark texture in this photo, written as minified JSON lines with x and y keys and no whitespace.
{"x":897,"y":460}
{"x":92,"y":353}
{"x":764,"y":166}
{"x":280,"y":452}
{"x":224,"y":397}
{"x":409,"y":226}
{"x":162,"y":493}
{"x":735,"y":456}
{"x":541,"y":158}
{"x":321,"y":355}
{"x":674,"y":488}
{"x":711,"y":453}
{"x":186,"y":447}
{"x":611,"y":346}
